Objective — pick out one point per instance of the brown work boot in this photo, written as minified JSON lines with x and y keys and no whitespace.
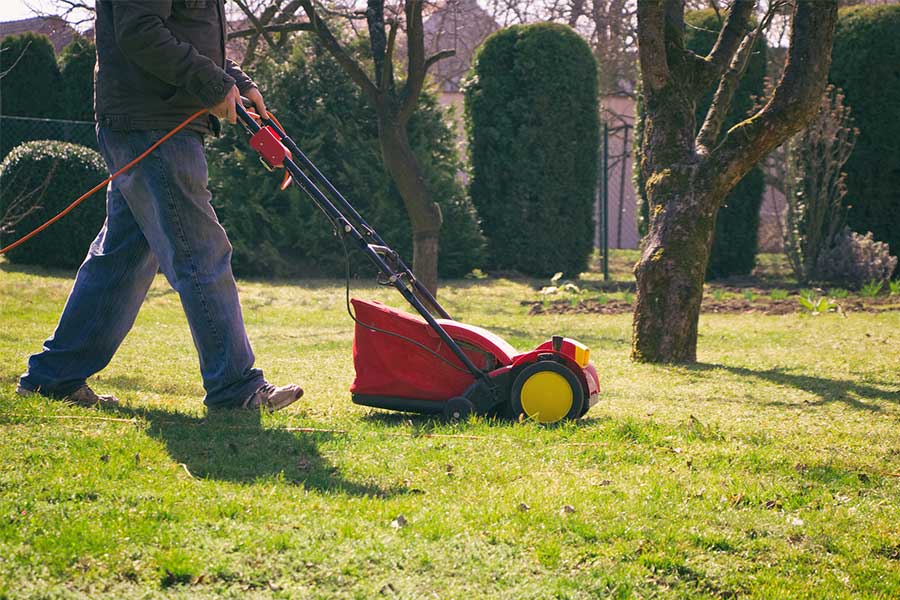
{"x":83,"y":396}
{"x":273,"y":398}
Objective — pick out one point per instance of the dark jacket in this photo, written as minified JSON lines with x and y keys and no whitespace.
{"x":159,"y":61}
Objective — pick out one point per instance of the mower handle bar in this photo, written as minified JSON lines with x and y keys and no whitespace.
{"x":373,"y":251}
{"x":317,"y":175}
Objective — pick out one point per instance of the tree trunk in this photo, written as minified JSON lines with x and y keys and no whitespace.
{"x":424,"y":213}
{"x":671,"y":269}
{"x":686,"y":175}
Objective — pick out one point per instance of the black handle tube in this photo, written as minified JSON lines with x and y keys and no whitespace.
{"x":349,"y":208}
{"x":327,"y":206}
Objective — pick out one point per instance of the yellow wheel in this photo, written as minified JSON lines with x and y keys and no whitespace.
{"x":546,"y":392}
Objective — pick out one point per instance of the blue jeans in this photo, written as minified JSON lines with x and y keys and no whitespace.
{"x":158,"y":216}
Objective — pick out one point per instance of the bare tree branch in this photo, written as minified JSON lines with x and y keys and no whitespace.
{"x":15,"y":62}
{"x":69,"y":11}
{"x":438,"y":56}
{"x":388,"y":67}
{"x":258,"y":25}
{"x":796,"y":96}
{"x":415,"y":69}
{"x":652,"y":52}
{"x":286,"y":28}
{"x":25,"y":204}
{"x":729,"y":81}
{"x":729,"y":39}
{"x":378,"y":42}
{"x":353,"y":68}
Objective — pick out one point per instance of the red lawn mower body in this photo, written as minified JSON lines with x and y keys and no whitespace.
{"x":394,"y":373}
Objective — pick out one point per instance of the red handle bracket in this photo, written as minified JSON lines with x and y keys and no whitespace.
{"x":267,"y":143}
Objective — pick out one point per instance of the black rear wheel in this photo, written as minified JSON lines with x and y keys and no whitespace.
{"x":458,"y":408}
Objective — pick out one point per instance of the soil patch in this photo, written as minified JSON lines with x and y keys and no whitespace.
{"x":761,"y":305}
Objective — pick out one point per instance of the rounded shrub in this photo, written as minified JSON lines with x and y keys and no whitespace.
{"x":39,"y":179}
{"x":532,"y":124}
{"x":864,"y":65}
{"x":735,"y":239}
{"x":284,"y":233}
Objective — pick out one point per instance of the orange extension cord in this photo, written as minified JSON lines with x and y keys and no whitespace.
{"x":103,"y":183}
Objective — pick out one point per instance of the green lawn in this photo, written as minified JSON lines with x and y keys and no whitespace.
{"x":770,"y":469}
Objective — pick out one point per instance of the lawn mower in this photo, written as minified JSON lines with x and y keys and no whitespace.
{"x":429,"y":363}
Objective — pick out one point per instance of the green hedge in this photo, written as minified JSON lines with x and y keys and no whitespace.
{"x":735,"y":240}
{"x":49,"y":175}
{"x":866,"y":66}
{"x":283,"y":233}
{"x":532,"y":123}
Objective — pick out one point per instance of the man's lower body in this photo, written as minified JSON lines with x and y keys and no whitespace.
{"x":159,"y":217}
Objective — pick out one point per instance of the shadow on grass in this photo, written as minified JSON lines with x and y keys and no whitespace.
{"x":856,"y":395}
{"x":234,"y":446}
{"x":50,"y":272}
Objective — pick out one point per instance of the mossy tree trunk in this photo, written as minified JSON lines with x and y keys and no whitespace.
{"x":688,"y":176}
{"x":394,"y":105}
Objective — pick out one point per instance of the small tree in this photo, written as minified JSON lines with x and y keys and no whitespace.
{"x":814,"y":185}
{"x":394,"y":103}
{"x":531,"y":115}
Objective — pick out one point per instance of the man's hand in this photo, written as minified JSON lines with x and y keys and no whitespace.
{"x":225,"y":109}
{"x":256,"y":98}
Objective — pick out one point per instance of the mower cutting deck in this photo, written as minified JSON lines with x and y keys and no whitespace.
{"x":431,"y":363}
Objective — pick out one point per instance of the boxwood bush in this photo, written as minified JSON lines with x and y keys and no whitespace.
{"x":532,"y":124}
{"x":49,"y":175}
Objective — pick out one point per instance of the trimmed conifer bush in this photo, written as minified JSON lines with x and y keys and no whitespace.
{"x":532,"y":123}
{"x":30,"y":86}
{"x":38,"y":179}
{"x":31,"y":82}
{"x":866,"y":66}
{"x":76,"y":67}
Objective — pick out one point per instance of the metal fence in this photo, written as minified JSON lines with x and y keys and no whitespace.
{"x":615,"y":224}
{"x":17,"y":130}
